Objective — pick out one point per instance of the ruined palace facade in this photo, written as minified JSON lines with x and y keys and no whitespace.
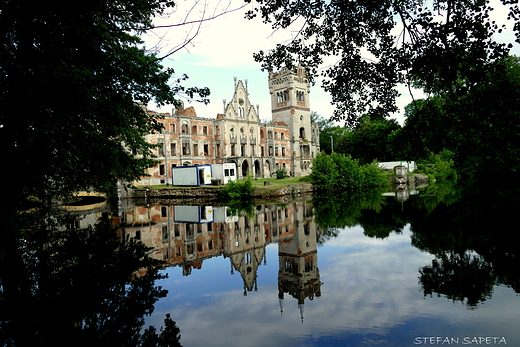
{"x":289,"y":141}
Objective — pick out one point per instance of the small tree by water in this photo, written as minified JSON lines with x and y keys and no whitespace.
{"x":339,"y":171}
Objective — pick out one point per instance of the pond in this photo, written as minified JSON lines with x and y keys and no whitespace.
{"x":439,"y":266}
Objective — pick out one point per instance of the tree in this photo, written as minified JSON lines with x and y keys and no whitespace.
{"x":73,"y":79}
{"x":329,"y":133}
{"x":370,"y":140}
{"x":480,"y":125}
{"x":378,"y":44}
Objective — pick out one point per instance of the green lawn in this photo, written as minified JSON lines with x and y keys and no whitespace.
{"x":276,"y":183}
{"x":257,"y":184}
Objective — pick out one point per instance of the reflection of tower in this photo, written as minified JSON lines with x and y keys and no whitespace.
{"x":298,"y":274}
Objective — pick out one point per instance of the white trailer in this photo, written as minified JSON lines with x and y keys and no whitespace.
{"x":197,"y":175}
{"x":224,"y":172}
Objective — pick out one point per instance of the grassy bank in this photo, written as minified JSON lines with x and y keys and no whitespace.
{"x":258,"y":184}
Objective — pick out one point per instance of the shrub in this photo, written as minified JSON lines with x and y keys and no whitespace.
{"x":349,"y":172}
{"x":324,"y":173}
{"x":372,"y":175}
{"x":438,"y":166}
{"x":281,"y":174}
{"x":238,"y":190}
{"x":343,"y":172}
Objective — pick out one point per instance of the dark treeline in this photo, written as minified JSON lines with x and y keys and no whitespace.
{"x":478,"y":126}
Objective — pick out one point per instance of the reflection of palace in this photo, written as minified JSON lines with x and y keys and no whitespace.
{"x":187,"y":235}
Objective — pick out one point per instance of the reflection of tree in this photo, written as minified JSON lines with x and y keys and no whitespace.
{"x":381,"y":224}
{"x":447,"y":221}
{"x":459,"y":277}
{"x":79,"y":285}
{"x":478,"y":222}
{"x":343,"y":208}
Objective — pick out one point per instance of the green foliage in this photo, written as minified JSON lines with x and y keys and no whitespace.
{"x":343,"y":172}
{"x":438,"y":166}
{"x":480,"y":125}
{"x":372,"y":175}
{"x":370,"y":140}
{"x":238,"y":190}
{"x":73,"y":79}
{"x":281,"y":174}
{"x":349,"y":172}
{"x":330,"y":134}
{"x":442,"y":45}
{"x":324,"y":172}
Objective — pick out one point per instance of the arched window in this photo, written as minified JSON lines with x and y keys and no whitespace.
{"x":302,"y":133}
{"x":185,"y":128}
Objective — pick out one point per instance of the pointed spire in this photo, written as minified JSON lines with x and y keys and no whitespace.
{"x":300,"y":306}
{"x":280,"y":300}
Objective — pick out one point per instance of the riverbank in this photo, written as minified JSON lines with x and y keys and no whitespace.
{"x":265,"y":190}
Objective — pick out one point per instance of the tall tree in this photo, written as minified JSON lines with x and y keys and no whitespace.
{"x":378,"y":44}
{"x":72,"y":80}
{"x":370,"y":140}
{"x":480,"y":125}
{"x":329,"y":133}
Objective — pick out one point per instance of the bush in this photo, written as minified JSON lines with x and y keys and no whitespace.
{"x":372,"y":175}
{"x":324,"y":172}
{"x":349,"y":172}
{"x":238,"y":190}
{"x":281,"y":174}
{"x":438,"y":166}
{"x":343,"y":172}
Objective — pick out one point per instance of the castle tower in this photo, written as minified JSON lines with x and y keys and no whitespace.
{"x":289,"y":91}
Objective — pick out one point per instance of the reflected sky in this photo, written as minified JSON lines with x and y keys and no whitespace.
{"x":370,"y":295}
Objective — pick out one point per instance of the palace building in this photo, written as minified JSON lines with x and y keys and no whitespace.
{"x":289,"y":141}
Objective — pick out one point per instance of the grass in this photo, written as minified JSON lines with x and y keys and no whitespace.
{"x":276,"y":183}
{"x":257,"y":184}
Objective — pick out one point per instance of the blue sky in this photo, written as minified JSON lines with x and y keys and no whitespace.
{"x":222,"y":48}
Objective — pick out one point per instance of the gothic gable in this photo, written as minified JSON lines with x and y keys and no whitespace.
{"x":240,"y":107}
